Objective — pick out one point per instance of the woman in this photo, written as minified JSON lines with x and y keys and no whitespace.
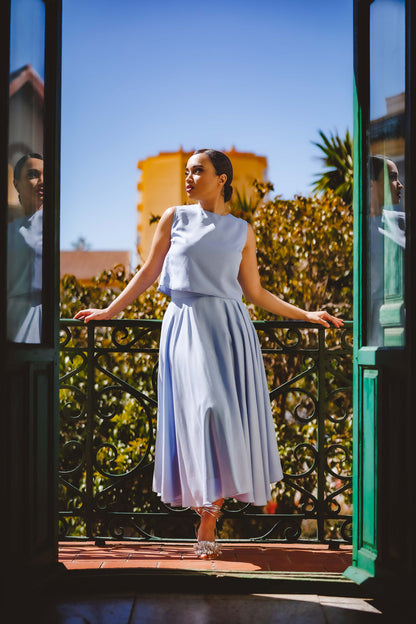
{"x":24,"y":254}
{"x":215,"y":436}
{"x":385,"y":221}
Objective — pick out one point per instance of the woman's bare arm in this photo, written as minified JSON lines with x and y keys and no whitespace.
{"x":249,"y":279}
{"x":143,"y":279}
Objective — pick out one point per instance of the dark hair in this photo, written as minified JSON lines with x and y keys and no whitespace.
{"x":376,"y":166}
{"x":222,"y":164}
{"x":21,"y":162}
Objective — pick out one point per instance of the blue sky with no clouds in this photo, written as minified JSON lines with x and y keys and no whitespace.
{"x":142,"y":77}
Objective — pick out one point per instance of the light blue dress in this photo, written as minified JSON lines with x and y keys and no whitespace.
{"x":24,"y":279}
{"x":215,"y":434}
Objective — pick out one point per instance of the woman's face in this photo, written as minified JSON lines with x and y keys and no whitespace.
{"x":378,"y":189}
{"x":30,"y":185}
{"x":395,"y":185}
{"x":201,"y":181}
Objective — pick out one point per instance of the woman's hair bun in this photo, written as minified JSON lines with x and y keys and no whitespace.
{"x":228,"y":191}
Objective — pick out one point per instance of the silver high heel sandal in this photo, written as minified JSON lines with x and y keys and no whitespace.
{"x":205,"y":549}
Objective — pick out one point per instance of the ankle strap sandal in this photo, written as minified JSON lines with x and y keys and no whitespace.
{"x":211,"y":508}
{"x":205,"y":549}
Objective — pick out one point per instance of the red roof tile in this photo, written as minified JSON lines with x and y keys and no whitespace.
{"x":87,"y":264}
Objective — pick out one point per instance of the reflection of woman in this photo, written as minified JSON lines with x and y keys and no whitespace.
{"x":385,"y":197}
{"x":385,"y":193}
{"x":24,"y":254}
{"x":215,"y":436}
{"x":381,"y":166}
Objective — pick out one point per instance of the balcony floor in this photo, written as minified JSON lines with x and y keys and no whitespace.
{"x":238,"y":558}
{"x":152,"y":582}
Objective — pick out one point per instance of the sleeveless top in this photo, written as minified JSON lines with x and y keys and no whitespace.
{"x":24,"y":255}
{"x":205,"y":253}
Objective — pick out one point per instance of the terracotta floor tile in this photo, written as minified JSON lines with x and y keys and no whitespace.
{"x":130,"y":563}
{"x":238,"y":566}
{"x":306,"y":565}
{"x":335,"y":565}
{"x":228,"y":555}
{"x":346,"y":558}
{"x":261,"y":563}
{"x":150,"y":559}
{"x":82,"y":565}
{"x":195,"y":564}
{"x":274,"y":560}
{"x":235,"y":556}
{"x":96,"y":556}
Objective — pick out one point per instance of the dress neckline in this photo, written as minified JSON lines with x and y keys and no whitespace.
{"x":216,"y":214}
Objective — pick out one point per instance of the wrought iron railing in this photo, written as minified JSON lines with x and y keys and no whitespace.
{"x":108,"y":402}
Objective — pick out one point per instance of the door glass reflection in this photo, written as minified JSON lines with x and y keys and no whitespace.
{"x":386,"y":212}
{"x":25,"y":171}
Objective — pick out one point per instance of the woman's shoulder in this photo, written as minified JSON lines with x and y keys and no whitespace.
{"x":167,"y":217}
{"x":187,"y":208}
{"x":175,"y":215}
{"x":238,"y":219}
{"x":240,"y":223}
{"x":186,"y":213}
{"x":169,"y":212}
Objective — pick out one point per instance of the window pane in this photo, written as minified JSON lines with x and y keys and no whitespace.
{"x":25,"y":171}
{"x":386,"y":211}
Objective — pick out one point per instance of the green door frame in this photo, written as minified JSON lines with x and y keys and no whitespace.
{"x":384,"y":430}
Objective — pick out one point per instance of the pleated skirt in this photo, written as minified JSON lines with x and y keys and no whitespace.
{"x":215,"y":432}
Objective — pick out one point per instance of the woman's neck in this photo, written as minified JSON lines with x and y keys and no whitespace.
{"x":215,"y":205}
{"x":29,"y":211}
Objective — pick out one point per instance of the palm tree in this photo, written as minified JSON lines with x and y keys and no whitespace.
{"x":243,"y":205}
{"x":337,"y":158}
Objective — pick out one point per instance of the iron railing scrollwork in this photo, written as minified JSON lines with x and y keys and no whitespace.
{"x":108,"y":406}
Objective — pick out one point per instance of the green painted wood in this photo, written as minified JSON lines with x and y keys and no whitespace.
{"x":365,"y":514}
{"x":367,"y":356}
{"x":392,"y":312}
{"x":360,"y":103}
{"x":370,"y":389}
{"x":382,"y":481}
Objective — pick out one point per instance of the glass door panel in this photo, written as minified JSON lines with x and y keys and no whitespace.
{"x":386,"y":208}
{"x":25,"y":172}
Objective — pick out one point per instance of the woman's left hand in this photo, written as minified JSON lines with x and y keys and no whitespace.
{"x":323,"y":318}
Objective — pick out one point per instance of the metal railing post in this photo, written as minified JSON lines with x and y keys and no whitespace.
{"x":320,"y":434}
{"x":89,"y":447}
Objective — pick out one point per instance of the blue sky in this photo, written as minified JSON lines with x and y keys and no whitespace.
{"x":141,"y":77}
{"x":387,"y":54}
{"x":28,"y":19}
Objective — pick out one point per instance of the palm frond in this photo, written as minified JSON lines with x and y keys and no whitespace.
{"x":337,"y":158}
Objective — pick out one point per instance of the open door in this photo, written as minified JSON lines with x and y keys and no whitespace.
{"x":30,"y":98}
{"x":384,"y":150}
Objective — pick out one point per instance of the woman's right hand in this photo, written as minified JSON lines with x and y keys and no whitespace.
{"x":94,"y":315}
